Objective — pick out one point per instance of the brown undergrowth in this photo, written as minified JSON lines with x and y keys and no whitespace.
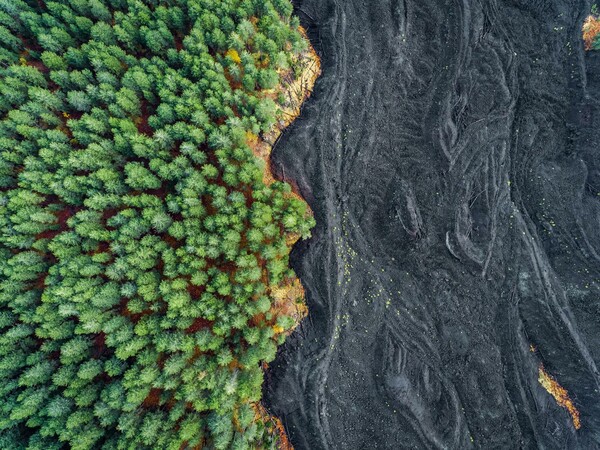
{"x":288,"y":297}
{"x":274,"y":425}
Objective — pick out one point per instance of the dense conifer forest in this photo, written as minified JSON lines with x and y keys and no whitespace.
{"x":139,"y":242}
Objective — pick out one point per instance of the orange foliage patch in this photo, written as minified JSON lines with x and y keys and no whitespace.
{"x":560,"y":394}
{"x":591,"y":28}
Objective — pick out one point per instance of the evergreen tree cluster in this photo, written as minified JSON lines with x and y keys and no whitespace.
{"x":139,"y":243}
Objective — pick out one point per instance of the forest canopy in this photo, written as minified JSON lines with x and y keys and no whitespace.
{"x":140,"y":244}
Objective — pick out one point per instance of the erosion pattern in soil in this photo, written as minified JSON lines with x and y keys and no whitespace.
{"x":450,"y":155}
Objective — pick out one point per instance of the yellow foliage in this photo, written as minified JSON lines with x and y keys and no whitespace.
{"x":234,"y":55}
{"x":251,"y":138}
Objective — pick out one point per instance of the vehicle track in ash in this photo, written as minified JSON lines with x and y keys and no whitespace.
{"x":450,"y":154}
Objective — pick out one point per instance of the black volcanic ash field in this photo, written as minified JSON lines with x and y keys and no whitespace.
{"x":450,"y":153}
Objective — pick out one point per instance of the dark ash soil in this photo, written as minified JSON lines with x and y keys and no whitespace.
{"x":450,"y":153}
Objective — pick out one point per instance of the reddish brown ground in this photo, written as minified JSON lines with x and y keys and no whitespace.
{"x":61,"y":223}
{"x":100,"y":344}
{"x":142,"y":121}
{"x":199,"y":324}
{"x":153,"y":399}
